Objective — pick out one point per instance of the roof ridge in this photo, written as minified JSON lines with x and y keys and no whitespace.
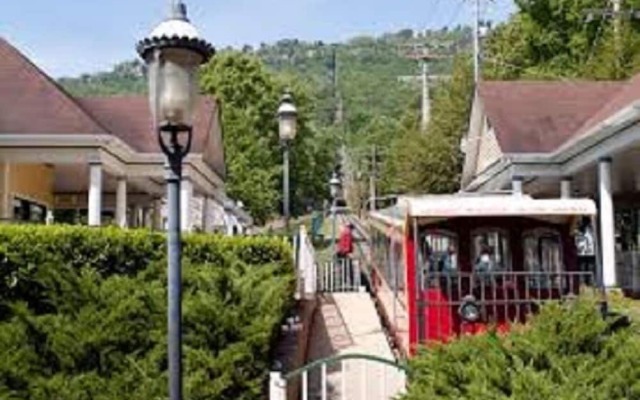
{"x":43,"y":76}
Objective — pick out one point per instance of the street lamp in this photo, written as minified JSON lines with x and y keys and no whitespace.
{"x":287,"y":123}
{"x":335,"y":186}
{"x":173,"y":53}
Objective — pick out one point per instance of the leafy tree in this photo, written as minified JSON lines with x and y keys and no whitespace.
{"x":547,"y":39}
{"x":430,"y":161}
{"x":249,"y":96}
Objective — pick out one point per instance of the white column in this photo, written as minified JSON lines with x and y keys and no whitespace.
{"x":565,"y":188}
{"x":138,"y":218}
{"x":516,"y":185}
{"x":157,"y":214}
{"x":207,"y":223}
{"x":607,"y":235}
{"x":148,"y":217}
{"x":121,"y":203}
{"x":95,"y":194}
{"x":277,"y":386}
{"x":186,"y":194}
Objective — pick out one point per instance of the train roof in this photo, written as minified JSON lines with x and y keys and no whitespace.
{"x":437,"y":207}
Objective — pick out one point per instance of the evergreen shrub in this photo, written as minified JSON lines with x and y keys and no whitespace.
{"x":83,"y":313}
{"x":567,"y":352}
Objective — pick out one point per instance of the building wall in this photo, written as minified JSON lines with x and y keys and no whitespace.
{"x":489,"y":150}
{"x":32,"y":182}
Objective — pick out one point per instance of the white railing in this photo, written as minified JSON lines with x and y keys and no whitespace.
{"x":343,"y":377}
{"x":340,"y":276}
{"x":306,"y":265}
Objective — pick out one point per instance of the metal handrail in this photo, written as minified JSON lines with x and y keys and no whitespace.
{"x":353,"y":356}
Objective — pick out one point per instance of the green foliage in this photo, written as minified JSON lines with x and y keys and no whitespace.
{"x":83,"y":313}
{"x":566,"y":352}
{"x":249,"y":97}
{"x":125,"y":78}
{"x":547,"y":39}
{"x":431,"y":161}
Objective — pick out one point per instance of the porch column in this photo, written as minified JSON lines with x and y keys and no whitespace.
{"x":565,"y":187}
{"x":5,"y":198}
{"x":157,"y":214}
{"x":516,"y":185}
{"x":186,"y":194}
{"x":121,"y":203}
{"x":607,"y":236}
{"x":206,"y":214}
{"x":95,"y":194}
{"x":136,"y":217}
{"x":147,"y":217}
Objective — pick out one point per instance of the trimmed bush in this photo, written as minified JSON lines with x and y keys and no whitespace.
{"x":83,"y":313}
{"x":567,"y":352}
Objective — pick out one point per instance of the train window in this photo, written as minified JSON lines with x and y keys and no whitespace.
{"x":439,"y":252}
{"x":491,"y":251}
{"x":543,"y":255}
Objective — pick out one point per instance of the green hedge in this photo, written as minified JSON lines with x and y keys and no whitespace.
{"x":82,"y":313}
{"x":567,"y":352}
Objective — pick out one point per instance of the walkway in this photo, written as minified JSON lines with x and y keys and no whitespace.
{"x":348,"y":323}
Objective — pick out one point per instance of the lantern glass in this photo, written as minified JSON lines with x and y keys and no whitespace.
{"x":334,"y":185}
{"x":288,"y":127}
{"x":173,"y":85}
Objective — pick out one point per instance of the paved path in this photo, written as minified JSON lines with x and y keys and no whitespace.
{"x":348,"y":323}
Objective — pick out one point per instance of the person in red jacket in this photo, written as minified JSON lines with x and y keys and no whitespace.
{"x":345,"y":248}
{"x":345,"y":242}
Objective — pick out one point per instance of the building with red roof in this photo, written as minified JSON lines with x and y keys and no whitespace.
{"x":564,"y":139}
{"x":61,"y":155}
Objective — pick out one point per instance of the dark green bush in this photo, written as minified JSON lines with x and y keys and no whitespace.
{"x":567,"y":352}
{"x":83,"y":313}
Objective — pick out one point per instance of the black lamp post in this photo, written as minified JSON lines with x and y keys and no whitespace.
{"x":335,"y":186}
{"x":287,"y":121}
{"x":173,"y":53}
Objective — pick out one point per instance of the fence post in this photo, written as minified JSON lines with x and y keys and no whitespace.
{"x":277,"y":386}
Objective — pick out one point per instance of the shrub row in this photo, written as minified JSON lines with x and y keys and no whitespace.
{"x":567,"y":352}
{"x":83,"y":313}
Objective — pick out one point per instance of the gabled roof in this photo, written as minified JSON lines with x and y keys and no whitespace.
{"x":31,"y":102}
{"x":535,"y":117}
{"x":628,"y":94}
{"x":129,"y":118}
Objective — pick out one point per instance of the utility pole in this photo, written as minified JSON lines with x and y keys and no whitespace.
{"x":476,"y":43}
{"x":617,"y":13}
{"x":372,"y":178}
{"x":423,"y":56}
{"x":337,"y":98}
{"x":426,"y":101}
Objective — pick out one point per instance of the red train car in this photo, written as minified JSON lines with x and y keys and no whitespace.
{"x":448,"y":265}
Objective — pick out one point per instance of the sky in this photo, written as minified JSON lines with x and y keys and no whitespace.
{"x":71,"y":37}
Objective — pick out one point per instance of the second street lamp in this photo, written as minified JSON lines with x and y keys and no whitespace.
{"x":173,"y":53}
{"x":287,"y":124}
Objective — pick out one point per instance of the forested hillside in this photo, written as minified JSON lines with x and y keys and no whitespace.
{"x":367,"y":68}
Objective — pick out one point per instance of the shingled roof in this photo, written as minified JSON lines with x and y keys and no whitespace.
{"x":31,"y":102}
{"x":129,"y":118}
{"x":536,"y":117}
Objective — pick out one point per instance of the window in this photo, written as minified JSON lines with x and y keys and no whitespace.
{"x":490,"y":250}
{"x":543,"y":257}
{"x":28,"y":211}
{"x":439,"y":252}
